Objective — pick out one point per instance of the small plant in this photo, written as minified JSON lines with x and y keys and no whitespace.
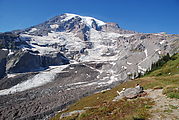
{"x":173,"y":107}
{"x":168,"y":111}
{"x":171,"y":92}
{"x":158,"y":87}
{"x":138,"y":118}
{"x":148,"y":106}
{"x":173,"y":95}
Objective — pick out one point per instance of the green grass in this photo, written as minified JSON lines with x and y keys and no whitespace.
{"x":102,"y":107}
{"x":121,"y":110}
{"x":160,"y":82}
{"x":173,"y":107}
{"x":168,"y":69}
{"x":172,"y":91}
{"x":167,"y":77}
{"x":168,"y":111}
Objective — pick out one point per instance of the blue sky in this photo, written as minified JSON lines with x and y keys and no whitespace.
{"x":148,"y":16}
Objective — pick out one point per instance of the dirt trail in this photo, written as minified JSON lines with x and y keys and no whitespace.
{"x":164,"y":108}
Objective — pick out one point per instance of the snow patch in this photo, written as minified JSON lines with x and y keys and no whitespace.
{"x":10,"y":52}
{"x":141,"y":70}
{"x":43,"y":43}
{"x":11,"y":75}
{"x":38,"y":80}
{"x":106,"y":90}
{"x":124,"y":67}
{"x":159,"y":52}
{"x":33,"y":29}
{"x":78,"y":83}
{"x":146,"y":53}
{"x":129,"y":63}
{"x":54,"y":26}
{"x":162,"y":42}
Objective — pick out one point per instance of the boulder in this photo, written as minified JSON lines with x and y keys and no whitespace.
{"x":68,"y":114}
{"x":129,"y":93}
{"x":132,"y":93}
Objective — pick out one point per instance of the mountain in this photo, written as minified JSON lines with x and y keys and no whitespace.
{"x":49,"y":66}
{"x":161,"y":93}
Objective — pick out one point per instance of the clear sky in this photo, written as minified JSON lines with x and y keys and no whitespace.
{"x":148,"y":16}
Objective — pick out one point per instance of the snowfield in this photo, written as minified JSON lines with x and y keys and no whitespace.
{"x":85,"y":19}
{"x":38,"y":80}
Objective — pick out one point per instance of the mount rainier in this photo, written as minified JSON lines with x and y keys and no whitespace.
{"x":48,"y":66}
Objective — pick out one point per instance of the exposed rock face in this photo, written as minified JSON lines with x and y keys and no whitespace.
{"x":11,"y":41}
{"x":24,"y":61}
{"x":8,"y":82}
{"x":114,"y":27}
{"x":7,"y":40}
{"x":3,"y":54}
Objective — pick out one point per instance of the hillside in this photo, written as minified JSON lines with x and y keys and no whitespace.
{"x":161,"y":101}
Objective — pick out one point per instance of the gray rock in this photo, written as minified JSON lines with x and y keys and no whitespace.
{"x":114,"y":27}
{"x":63,"y":115}
{"x":24,"y":61}
{"x":11,"y":40}
{"x":129,"y":93}
{"x":132,"y":93}
{"x":3,"y":55}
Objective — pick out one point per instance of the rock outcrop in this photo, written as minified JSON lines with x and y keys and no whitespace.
{"x":129,"y":93}
{"x":68,"y":114}
{"x":3,"y":55}
{"x":24,"y":61}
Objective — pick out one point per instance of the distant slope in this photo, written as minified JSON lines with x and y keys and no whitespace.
{"x":170,"y":68}
{"x":100,"y":105}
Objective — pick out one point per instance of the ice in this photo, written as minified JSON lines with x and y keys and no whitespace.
{"x":129,"y":63}
{"x":5,"y":49}
{"x":162,"y":42}
{"x":54,"y":26}
{"x":102,"y":43}
{"x":33,"y":29}
{"x":10,"y":52}
{"x":11,"y":75}
{"x":62,"y":38}
{"x":159,"y":52}
{"x":87,"y":20}
{"x":38,"y":80}
{"x":113,"y":63}
{"x":146,"y":53}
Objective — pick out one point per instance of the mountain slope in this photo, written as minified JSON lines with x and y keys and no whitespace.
{"x":50,"y":65}
{"x":100,"y":105}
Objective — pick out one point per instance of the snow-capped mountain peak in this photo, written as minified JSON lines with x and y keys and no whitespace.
{"x":84,"y":19}
{"x":77,"y":37}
